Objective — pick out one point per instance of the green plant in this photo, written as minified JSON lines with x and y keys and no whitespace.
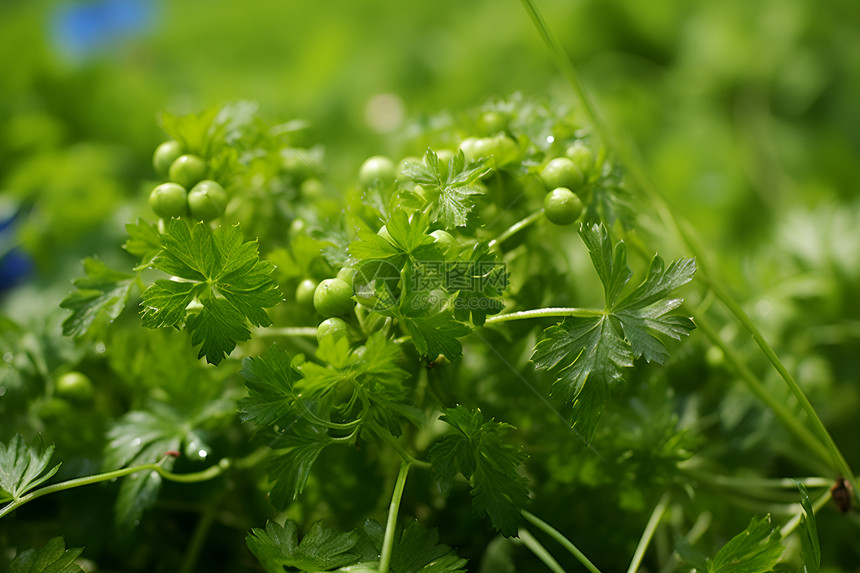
{"x":472,"y":355}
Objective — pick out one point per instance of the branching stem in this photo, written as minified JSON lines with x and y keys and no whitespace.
{"x":553,"y":312}
{"x":204,"y":475}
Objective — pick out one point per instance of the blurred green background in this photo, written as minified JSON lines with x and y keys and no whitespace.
{"x":741,"y":109}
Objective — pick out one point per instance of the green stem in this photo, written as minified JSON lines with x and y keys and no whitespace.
{"x":786,"y":416}
{"x":539,"y":550}
{"x":287,"y":331}
{"x":636,"y":169}
{"x":557,"y":312}
{"x":203,"y":475}
{"x":558,"y":54}
{"x":747,"y":483}
{"x":648,"y":534}
{"x":515,"y":228}
{"x":792,"y":524}
{"x":838,"y":461}
{"x":391,"y":524}
{"x":561,"y":539}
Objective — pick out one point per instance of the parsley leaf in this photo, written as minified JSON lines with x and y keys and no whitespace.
{"x":609,"y":201}
{"x":587,"y":354}
{"x":222,"y":272}
{"x":271,"y":379}
{"x":23,"y":468}
{"x":449,"y":186}
{"x":320,"y":549}
{"x":144,"y":436}
{"x":274,"y":400}
{"x":480,"y":283}
{"x":52,"y":558}
{"x":103,"y":290}
{"x":476,"y":450}
{"x":142,"y":241}
{"x":371,"y":377}
{"x":434,"y":331}
{"x":416,"y":549}
{"x":754,"y":550}
{"x":810,"y":548}
{"x":298,"y":450}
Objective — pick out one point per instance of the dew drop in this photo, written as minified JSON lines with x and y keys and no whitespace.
{"x":202,"y":454}
{"x":135,"y":442}
{"x":2,"y":391}
{"x":8,"y":357}
{"x":100,"y":348}
{"x":550,"y":139}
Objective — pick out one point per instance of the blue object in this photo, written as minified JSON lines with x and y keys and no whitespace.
{"x":15,"y":264}
{"x":82,"y":29}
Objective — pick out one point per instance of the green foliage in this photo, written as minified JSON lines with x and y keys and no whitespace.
{"x":753,"y":550}
{"x":53,"y":557}
{"x":475,"y":449}
{"x":810,"y":547}
{"x":220,"y":271}
{"x":449,"y":186}
{"x":321,"y":549}
{"x":102,"y":291}
{"x":334,"y":417}
{"x":756,"y":549}
{"x":587,"y":353}
{"x":23,"y":468}
{"x":416,"y":550}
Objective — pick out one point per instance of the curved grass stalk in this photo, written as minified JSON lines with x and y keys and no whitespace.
{"x":648,"y":534}
{"x":539,"y":550}
{"x":635,"y":166}
{"x":780,"y":410}
{"x":564,"y":541}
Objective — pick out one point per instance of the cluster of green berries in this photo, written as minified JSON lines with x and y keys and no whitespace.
{"x":332,"y":298}
{"x":187,"y":193}
{"x":565,"y":178}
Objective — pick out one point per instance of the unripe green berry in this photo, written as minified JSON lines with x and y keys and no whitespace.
{"x":581,"y":155}
{"x":74,"y":385}
{"x":333,"y":297}
{"x":305,"y":291}
{"x":207,"y":200}
{"x":187,"y":170}
{"x":334,"y":327}
{"x":562,"y":206}
{"x":378,"y":168}
{"x":347,"y":275}
{"x":562,"y":172}
{"x":164,"y":156}
{"x":169,"y":200}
